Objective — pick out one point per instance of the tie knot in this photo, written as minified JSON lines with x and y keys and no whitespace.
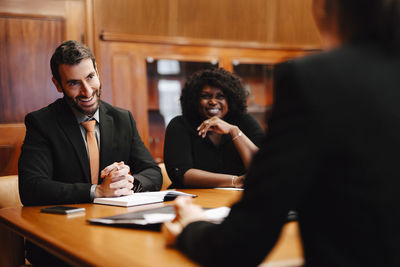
{"x":89,"y":125}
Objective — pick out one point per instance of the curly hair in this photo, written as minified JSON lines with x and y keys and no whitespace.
{"x":224,"y":80}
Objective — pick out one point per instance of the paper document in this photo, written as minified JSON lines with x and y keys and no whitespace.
{"x":141,"y":198}
{"x":230,"y":188}
{"x":215,"y":215}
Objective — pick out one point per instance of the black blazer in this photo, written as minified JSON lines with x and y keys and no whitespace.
{"x":332,"y":152}
{"x":54,"y":166}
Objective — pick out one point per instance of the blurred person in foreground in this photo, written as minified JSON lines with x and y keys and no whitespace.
{"x":332,"y":153}
{"x":211,"y":144}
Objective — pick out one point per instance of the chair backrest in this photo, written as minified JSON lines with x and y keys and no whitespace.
{"x":9,"y":193}
{"x":11,"y":138}
{"x":166,"y":181}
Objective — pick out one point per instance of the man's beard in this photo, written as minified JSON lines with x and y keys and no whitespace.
{"x":74,"y":102}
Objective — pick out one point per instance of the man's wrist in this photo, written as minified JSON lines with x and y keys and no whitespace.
{"x":233,"y":180}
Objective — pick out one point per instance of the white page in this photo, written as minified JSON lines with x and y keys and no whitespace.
{"x":137,"y":198}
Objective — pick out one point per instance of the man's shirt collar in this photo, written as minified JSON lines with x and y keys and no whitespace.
{"x":80,"y":117}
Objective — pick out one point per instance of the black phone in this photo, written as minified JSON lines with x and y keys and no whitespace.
{"x":62,"y":209}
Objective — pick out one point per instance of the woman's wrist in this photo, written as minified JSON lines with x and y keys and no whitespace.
{"x":235,"y":132}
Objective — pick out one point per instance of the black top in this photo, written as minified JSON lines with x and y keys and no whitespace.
{"x":332,"y":151}
{"x":54,"y":166}
{"x":184,"y":149}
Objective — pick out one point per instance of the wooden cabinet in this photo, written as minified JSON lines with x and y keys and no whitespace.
{"x":257,"y":78}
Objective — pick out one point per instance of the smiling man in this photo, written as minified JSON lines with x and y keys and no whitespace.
{"x":63,"y":160}
{"x":55,"y":165}
{"x":82,"y":84}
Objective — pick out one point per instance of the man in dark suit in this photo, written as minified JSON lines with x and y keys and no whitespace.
{"x":332,"y":153}
{"x":56,"y":165}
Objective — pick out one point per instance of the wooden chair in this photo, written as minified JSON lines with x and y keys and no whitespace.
{"x":9,"y":193}
{"x":166,"y":181}
{"x":11,"y":245}
{"x":11,"y":138}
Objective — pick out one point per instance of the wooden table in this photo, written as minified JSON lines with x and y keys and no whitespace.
{"x":73,"y":239}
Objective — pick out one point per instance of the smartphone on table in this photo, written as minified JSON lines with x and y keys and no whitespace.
{"x":62,"y":209}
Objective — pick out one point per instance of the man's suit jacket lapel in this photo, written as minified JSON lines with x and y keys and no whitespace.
{"x":106,"y":136}
{"x":68,"y":124}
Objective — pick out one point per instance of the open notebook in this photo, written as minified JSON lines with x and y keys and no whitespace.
{"x":141,"y":198}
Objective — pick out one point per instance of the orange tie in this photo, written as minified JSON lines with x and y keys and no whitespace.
{"x":93,"y":149}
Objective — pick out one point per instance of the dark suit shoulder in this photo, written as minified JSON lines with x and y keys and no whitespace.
{"x":112,"y":110}
{"x":49,"y":112}
{"x":346,"y":57}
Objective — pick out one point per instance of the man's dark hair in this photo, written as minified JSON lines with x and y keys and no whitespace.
{"x":227,"y":82}
{"x":369,"y":19}
{"x":69,"y":53}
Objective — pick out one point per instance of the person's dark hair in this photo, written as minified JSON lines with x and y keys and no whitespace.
{"x":369,"y":19}
{"x":69,"y":53}
{"x":226,"y":81}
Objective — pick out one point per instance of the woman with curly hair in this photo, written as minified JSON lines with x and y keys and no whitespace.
{"x":211,"y":144}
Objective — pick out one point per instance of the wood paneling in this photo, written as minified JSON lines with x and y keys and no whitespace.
{"x":268,"y":22}
{"x":224,"y":19}
{"x":29,"y":33}
{"x":26,"y":46}
{"x":123,"y":81}
{"x":144,"y":17}
{"x":73,"y":12}
{"x":294,"y":23}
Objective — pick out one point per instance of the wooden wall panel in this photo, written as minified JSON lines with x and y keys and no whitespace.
{"x":268,"y":22}
{"x":122,"y":80}
{"x":294,"y":23}
{"x":143,"y":17}
{"x":125,"y":82}
{"x":26,"y":48}
{"x":30,"y":31}
{"x":224,"y":19}
{"x":75,"y":21}
{"x":73,"y":11}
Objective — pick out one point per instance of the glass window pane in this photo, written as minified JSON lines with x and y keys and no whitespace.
{"x":258,"y":80}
